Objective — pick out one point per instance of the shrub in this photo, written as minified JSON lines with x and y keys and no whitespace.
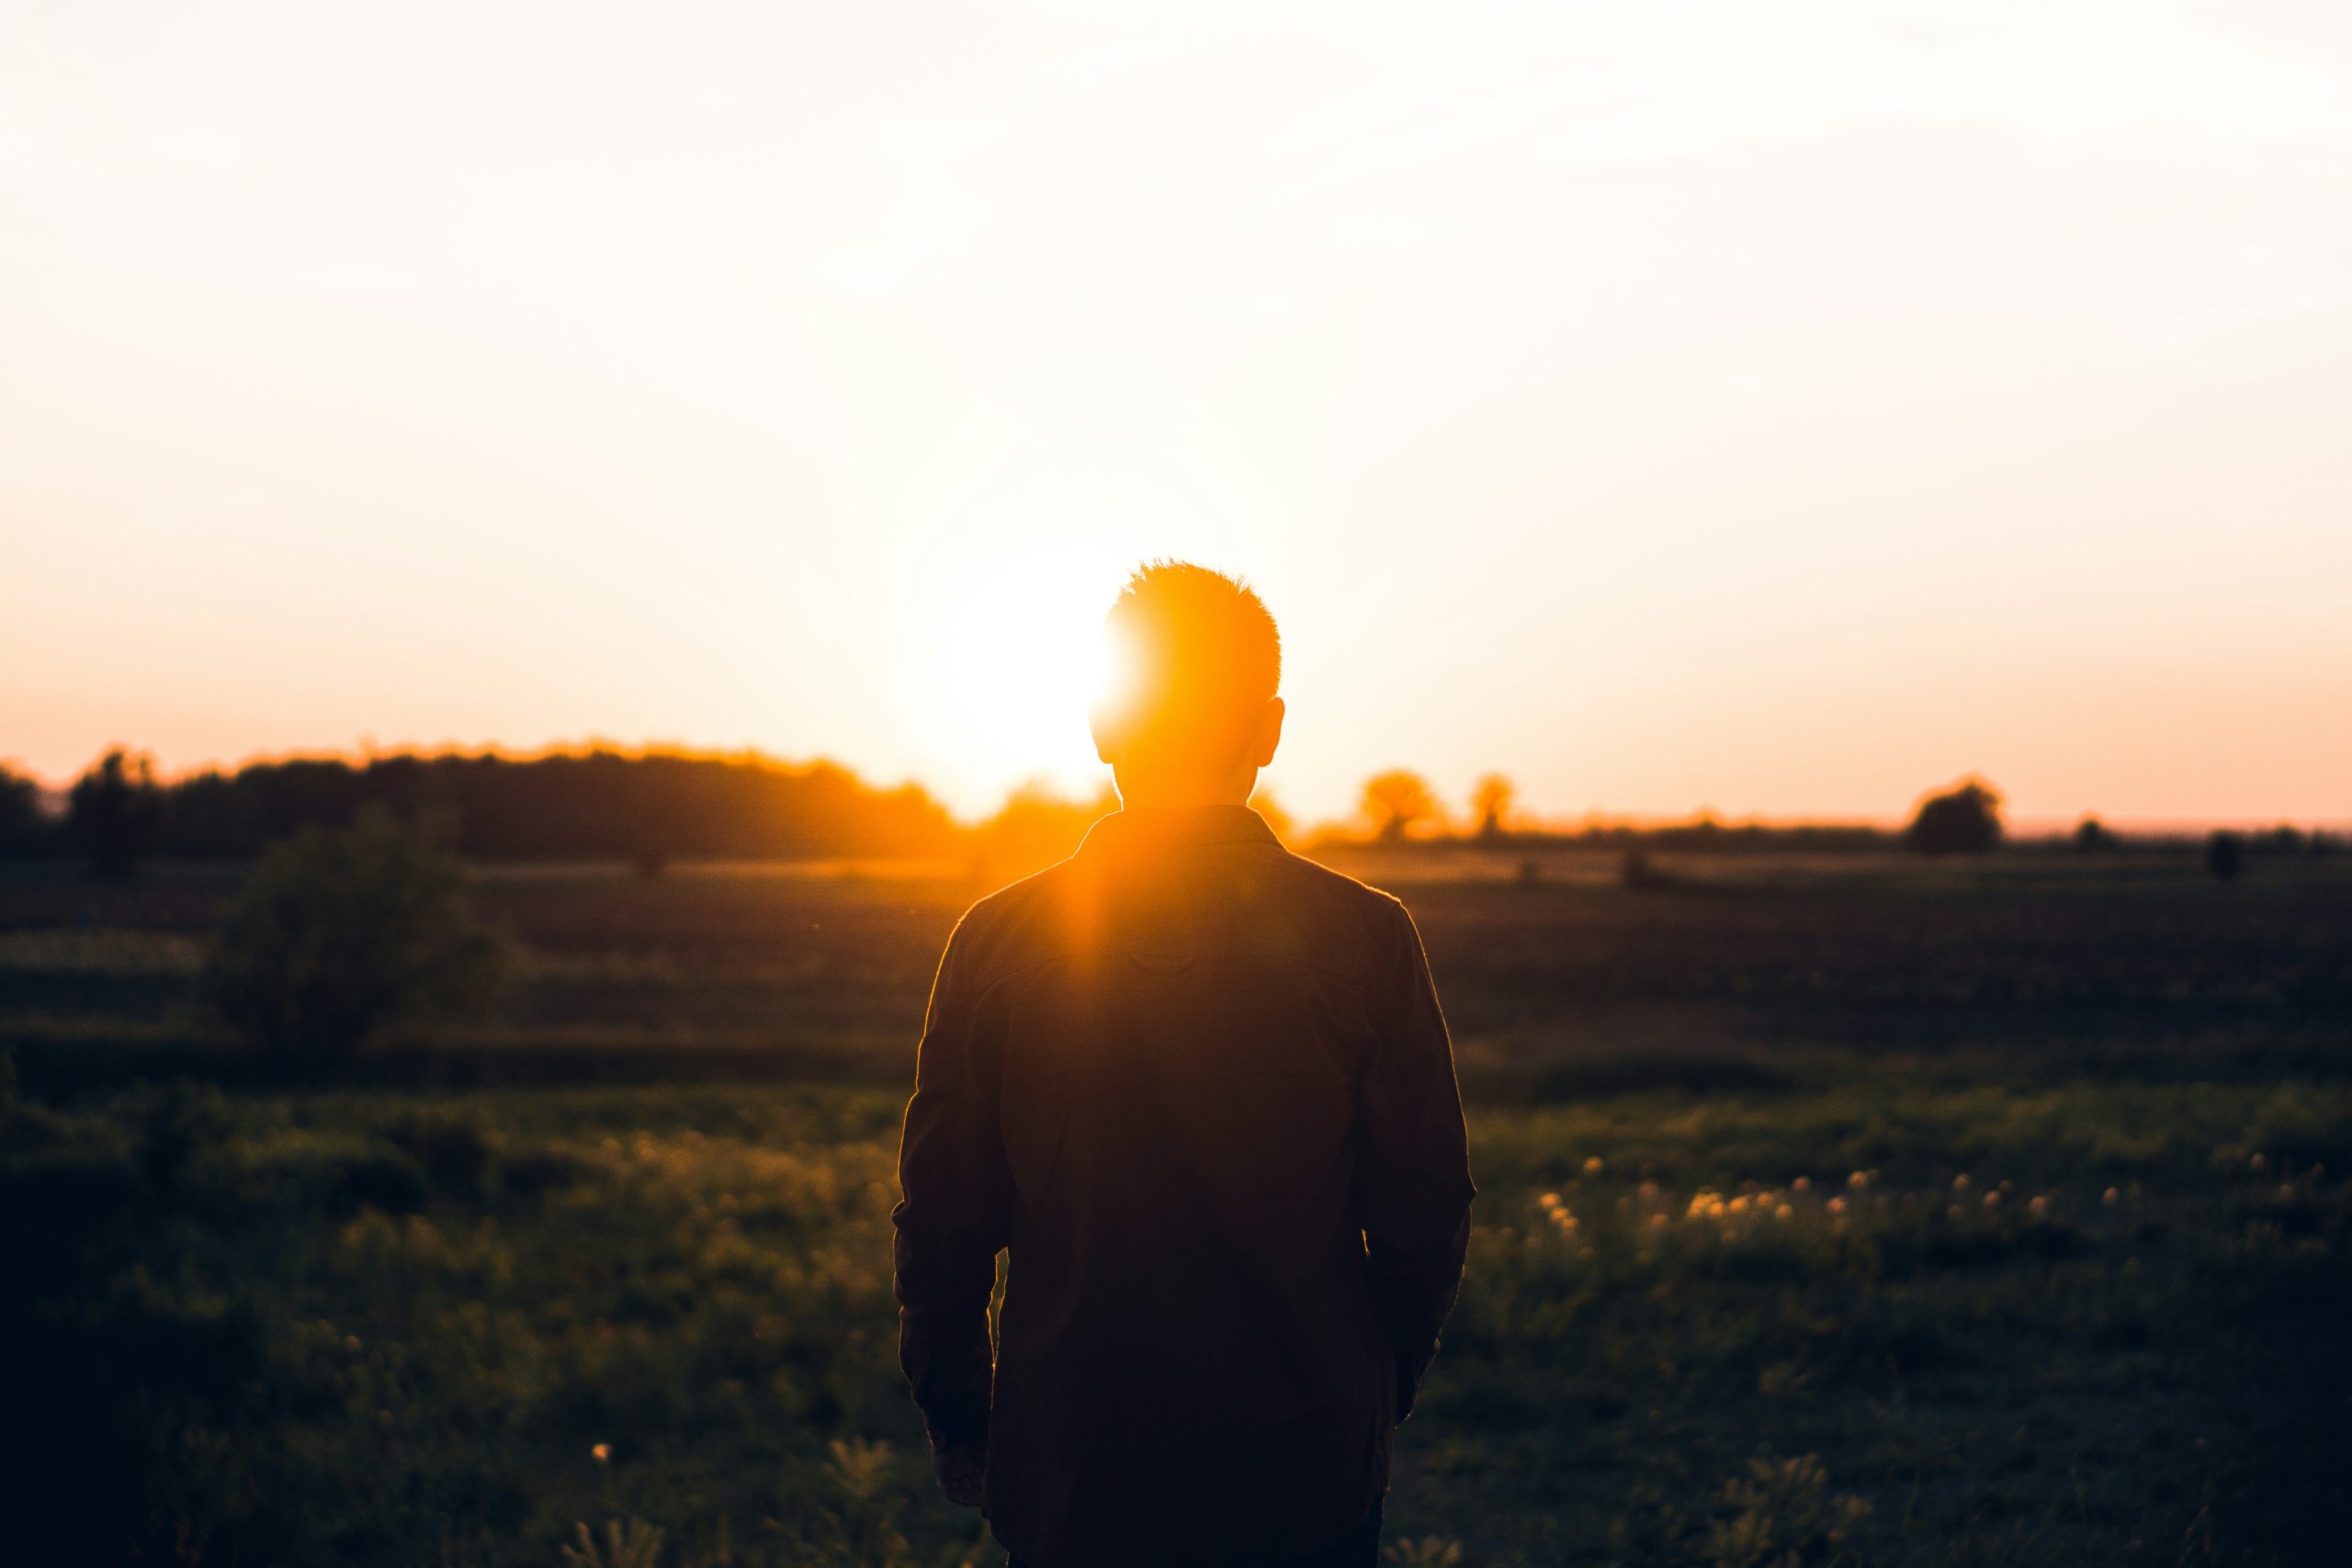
{"x":627,"y":1544}
{"x":1963,"y":820}
{"x":337,"y":935}
{"x":1782,"y":1515}
{"x":2224,"y":852}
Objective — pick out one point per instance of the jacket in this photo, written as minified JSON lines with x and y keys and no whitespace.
{"x":1199,"y":1090}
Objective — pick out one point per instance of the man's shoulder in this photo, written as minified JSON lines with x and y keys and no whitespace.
{"x":1353,"y":923}
{"x":1016,"y":924}
{"x":1341,"y":897}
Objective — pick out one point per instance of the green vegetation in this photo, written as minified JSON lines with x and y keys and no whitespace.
{"x":354,"y":1328}
{"x":1990,"y":1213}
{"x":337,"y":935}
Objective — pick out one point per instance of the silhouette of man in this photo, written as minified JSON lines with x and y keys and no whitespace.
{"x":1199,"y":1091}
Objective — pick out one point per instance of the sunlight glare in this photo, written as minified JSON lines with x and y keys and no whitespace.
{"x":1020,"y":659}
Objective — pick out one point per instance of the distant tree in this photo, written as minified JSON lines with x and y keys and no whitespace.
{"x":2283,"y":839}
{"x":1270,"y":810}
{"x":22,"y":824}
{"x":1963,"y":820}
{"x":2094,"y":837}
{"x":113,"y":811}
{"x":338,"y":934}
{"x":1396,"y":800}
{"x":1492,"y":800}
{"x":2224,"y":854}
{"x":599,"y":805}
{"x":1036,"y":827}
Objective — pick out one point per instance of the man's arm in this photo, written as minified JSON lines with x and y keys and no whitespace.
{"x":1414,"y":1168}
{"x":951,"y":1222}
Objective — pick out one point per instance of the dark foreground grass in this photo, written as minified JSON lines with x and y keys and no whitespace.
{"x":1884,"y":1317}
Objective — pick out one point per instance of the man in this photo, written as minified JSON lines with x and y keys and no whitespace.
{"x":1199,"y":1091}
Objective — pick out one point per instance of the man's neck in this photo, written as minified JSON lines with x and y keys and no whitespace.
{"x":1178,"y":795}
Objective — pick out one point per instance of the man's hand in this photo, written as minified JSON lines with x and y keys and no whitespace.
{"x":963,"y":1470}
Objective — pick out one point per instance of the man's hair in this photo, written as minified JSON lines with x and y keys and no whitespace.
{"x":1199,"y":657}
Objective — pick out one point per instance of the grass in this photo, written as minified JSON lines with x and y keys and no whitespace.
{"x":381,"y":1327}
{"x":1784,"y":1281}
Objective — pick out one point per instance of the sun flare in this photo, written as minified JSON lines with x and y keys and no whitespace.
{"x":1019,"y":659}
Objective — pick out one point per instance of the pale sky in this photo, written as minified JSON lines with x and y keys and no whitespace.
{"x":1780,"y":409}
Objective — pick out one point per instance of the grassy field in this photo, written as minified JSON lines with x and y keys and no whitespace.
{"x":1846,"y":1211}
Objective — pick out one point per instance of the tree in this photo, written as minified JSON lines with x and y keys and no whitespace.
{"x":21,"y":820}
{"x":1396,"y":800}
{"x":2094,"y":837}
{"x":1036,"y":827}
{"x":2224,"y":854}
{"x":1492,"y":800}
{"x":113,"y":811}
{"x":2284,"y":840}
{"x":1963,"y":820}
{"x":591,"y":805}
{"x":339,"y":934}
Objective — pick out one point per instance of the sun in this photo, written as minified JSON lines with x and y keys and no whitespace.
{"x":1018,"y":659}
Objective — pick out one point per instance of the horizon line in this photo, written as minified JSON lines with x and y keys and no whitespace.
{"x":1592,"y":819}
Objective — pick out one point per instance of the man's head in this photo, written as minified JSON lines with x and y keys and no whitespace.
{"x":1191,"y":715}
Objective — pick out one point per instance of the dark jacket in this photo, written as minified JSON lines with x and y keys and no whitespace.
{"x":1200,"y":1089}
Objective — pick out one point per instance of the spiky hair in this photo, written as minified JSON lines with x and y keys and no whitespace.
{"x":1204,"y":651}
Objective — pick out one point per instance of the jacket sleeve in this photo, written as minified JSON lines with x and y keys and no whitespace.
{"x":1413,"y":1173}
{"x":950,"y":1219}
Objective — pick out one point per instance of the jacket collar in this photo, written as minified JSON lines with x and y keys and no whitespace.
{"x":1179,"y":826}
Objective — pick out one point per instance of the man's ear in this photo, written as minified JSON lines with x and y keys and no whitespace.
{"x":1270,"y":731}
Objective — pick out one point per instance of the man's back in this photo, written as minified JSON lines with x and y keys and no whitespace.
{"x":1201,"y":1089}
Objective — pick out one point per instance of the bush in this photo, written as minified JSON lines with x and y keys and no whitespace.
{"x":2225,"y":853}
{"x":1782,"y":1515}
{"x":1963,"y":820}
{"x":338,"y":935}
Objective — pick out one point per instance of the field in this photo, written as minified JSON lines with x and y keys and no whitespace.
{"x":1847,"y":1210}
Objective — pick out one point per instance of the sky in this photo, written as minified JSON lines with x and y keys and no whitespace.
{"x":1775,"y":410}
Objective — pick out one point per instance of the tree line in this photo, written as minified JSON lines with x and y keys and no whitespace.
{"x":593,"y":804}
{"x":651,"y":807}
{"x":1962,"y":819}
